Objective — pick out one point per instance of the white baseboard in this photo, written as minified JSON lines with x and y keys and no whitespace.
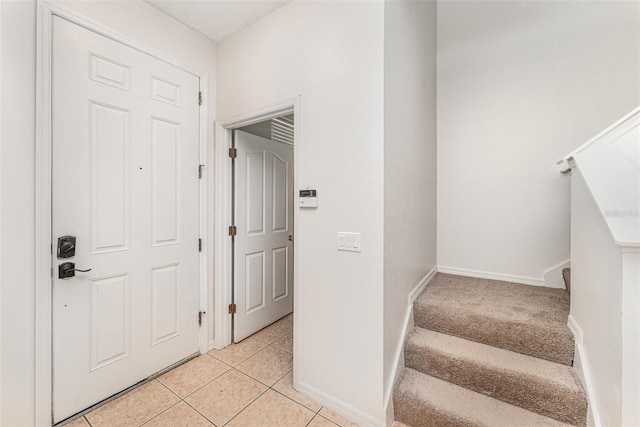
{"x":342,"y":408}
{"x":535,"y":281}
{"x":583,"y":370}
{"x":399,"y":354}
{"x":417,"y":290}
{"x":575,"y":329}
{"x":553,"y":276}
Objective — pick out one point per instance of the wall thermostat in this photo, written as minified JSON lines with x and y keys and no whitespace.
{"x":308,"y":199}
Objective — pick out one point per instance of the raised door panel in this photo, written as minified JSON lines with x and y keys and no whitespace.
{"x":255,"y":193}
{"x":110,"y":320}
{"x":111,"y":186}
{"x":110,"y":72}
{"x":165,"y":153}
{"x":280,"y":182}
{"x":255,"y":281}
{"x":164,"y":91}
{"x":165,"y":300}
{"x":280,"y":273}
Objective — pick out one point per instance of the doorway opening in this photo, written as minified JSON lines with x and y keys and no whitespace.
{"x":262,"y":235}
{"x":231,"y":217}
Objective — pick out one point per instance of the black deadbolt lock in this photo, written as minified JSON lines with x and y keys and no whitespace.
{"x":66,"y":246}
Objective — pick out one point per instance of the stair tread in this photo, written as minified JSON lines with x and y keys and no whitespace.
{"x":441,"y":403}
{"x":494,"y":357}
{"x":522,"y":318}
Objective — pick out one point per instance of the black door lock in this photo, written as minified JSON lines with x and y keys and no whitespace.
{"x":68,"y":269}
{"x":66,"y":246}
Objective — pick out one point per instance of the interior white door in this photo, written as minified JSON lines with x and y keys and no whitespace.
{"x":263,"y":244}
{"x":125,"y":183}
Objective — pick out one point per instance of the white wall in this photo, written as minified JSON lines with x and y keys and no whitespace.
{"x":409,"y":164}
{"x":596,"y":301}
{"x":133,"y":18}
{"x":330,"y":53}
{"x":631,"y":338}
{"x":17,"y":216}
{"x":520,"y":84}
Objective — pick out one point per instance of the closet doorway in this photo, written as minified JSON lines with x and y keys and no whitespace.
{"x":263,"y":230}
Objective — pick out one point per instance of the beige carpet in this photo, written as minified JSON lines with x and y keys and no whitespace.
{"x":526,"y":319}
{"x":425,"y":401}
{"x":489,"y":353}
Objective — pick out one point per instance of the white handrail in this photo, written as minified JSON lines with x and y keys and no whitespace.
{"x":623,"y":122}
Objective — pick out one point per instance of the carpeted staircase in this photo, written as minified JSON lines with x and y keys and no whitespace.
{"x":489,"y":353}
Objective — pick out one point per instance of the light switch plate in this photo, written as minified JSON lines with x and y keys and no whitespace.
{"x":349,"y":241}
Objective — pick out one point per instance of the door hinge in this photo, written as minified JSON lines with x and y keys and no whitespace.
{"x":199,"y":245}
{"x":232,"y":309}
{"x":233,"y":230}
{"x":199,"y":98}
{"x":200,"y":168}
{"x":200,"y":314}
{"x":233,"y":153}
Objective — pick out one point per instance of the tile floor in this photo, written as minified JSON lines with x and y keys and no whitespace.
{"x":246,"y":384}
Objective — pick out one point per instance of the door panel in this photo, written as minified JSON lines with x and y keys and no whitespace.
{"x":165,"y":178}
{"x":280,"y":270}
{"x":110,"y":181}
{"x":263,"y":289}
{"x":125,"y":156}
{"x":165,"y":306}
{"x":255,"y":188}
{"x":110,"y":320}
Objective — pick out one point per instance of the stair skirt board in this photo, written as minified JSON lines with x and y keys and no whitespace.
{"x":398,"y":356}
{"x":583,"y":371}
{"x":487,"y":352}
{"x":553,"y":277}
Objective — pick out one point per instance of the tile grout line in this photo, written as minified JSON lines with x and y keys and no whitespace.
{"x":235,"y":367}
{"x":201,"y":414}
{"x":230,"y":367}
{"x":203,"y":386}
{"x":270,"y":388}
{"x":292,"y":399}
{"x":166,"y":409}
{"x":239,"y":372}
{"x":183,"y":399}
{"x":245,"y":408}
{"x":161,"y":412}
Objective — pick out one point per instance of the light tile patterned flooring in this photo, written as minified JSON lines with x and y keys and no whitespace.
{"x":246,"y":384}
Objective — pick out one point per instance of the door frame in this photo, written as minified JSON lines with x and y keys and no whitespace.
{"x":46,"y":10}
{"x":223,"y":261}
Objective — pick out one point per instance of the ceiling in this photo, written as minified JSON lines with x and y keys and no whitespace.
{"x":217,"y":19}
{"x":263,"y":129}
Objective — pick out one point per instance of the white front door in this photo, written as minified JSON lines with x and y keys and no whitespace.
{"x":125,"y":184}
{"x":263,"y":290}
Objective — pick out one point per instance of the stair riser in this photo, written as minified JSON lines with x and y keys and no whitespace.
{"x":532,"y":393}
{"x":415,"y":413}
{"x":557,"y":347}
